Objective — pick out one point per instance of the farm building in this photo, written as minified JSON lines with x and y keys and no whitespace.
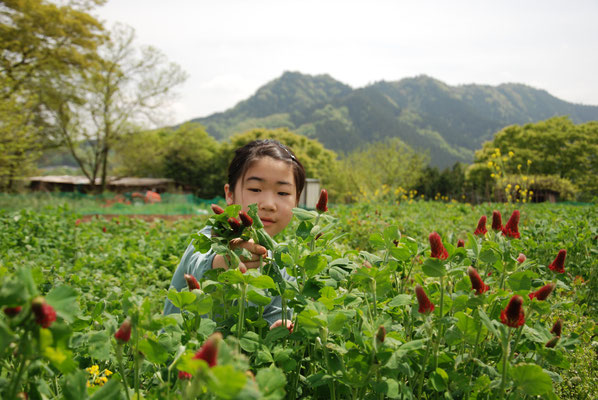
{"x":66,"y":183}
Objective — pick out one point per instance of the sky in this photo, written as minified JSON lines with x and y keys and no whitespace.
{"x":230,"y":48}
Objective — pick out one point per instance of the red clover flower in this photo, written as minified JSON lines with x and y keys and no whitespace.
{"x":191,"y":282}
{"x":322,"y":205}
{"x":477,"y":283}
{"x":511,"y":229}
{"x":425,"y":305}
{"x":542,"y":293}
{"x":513,"y":315}
{"x":558,"y":265}
{"x":123,"y":334}
{"x":438,"y":250}
{"x":44,"y":313}
{"x":496,"y":221}
{"x":209,"y":350}
{"x":481,"y":229}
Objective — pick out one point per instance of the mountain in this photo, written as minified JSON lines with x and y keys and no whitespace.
{"x":449,"y":122}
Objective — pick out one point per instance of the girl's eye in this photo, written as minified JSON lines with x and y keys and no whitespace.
{"x":284,"y":193}
{"x":255,"y":190}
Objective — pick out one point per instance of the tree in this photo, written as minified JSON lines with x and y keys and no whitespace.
{"x":38,"y":40}
{"x":388,"y":165}
{"x":126,"y":89}
{"x":554,"y":147}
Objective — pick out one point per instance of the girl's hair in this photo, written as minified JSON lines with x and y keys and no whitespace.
{"x":246,"y":155}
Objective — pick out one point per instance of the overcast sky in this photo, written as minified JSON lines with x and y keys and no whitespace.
{"x":230,"y":48}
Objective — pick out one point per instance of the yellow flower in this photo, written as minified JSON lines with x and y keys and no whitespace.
{"x":107,"y":372}
{"x":511,"y":154}
{"x":93,"y":370}
{"x":497,"y":150}
{"x":516,"y":187}
{"x":529,"y":162}
{"x":492,"y":175}
{"x":524,"y":178}
{"x":490,"y":164}
{"x":519,"y":166}
{"x":531,"y":192}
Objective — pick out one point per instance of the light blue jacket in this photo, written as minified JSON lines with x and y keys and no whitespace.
{"x":196,"y":264}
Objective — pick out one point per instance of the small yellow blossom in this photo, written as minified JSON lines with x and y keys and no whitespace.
{"x":490,"y":164}
{"x":511,"y":154}
{"x":107,"y":372}
{"x":492,"y":175}
{"x":519,"y":166}
{"x":529,"y":162}
{"x":524,"y":178}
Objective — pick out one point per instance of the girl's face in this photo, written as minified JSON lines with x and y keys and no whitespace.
{"x":269,"y":183}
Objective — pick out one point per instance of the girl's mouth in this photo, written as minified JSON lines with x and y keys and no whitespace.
{"x":266,"y":221}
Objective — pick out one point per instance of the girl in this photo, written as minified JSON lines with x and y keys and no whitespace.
{"x":265,"y":172}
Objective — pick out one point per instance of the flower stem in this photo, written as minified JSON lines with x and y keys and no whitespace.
{"x":505,"y":360}
{"x":119,"y":356}
{"x":440,"y":326}
{"x":241,"y":311}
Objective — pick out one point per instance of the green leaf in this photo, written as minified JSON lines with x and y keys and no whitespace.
{"x":252,"y":211}
{"x":99,"y":345}
{"x":487,"y":322}
{"x":202,"y":243}
{"x":520,"y":280}
{"x":271,"y":382}
{"x":258,"y":299}
{"x":411,"y":346}
{"x":64,"y":301}
{"x":231,"y":276}
{"x":74,"y":386}
{"x":304,"y":215}
{"x":489,"y":256}
{"x":250,"y":342}
{"x":314,"y":264}
{"x":439,"y":379}
{"x":262,"y":282}
{"x":226,"y":381}
{"x":61,"y":359}
{"x":181,"y":299}
{"x":400,"y":300}
{"x":275,"y":334}
{"x":110,"y":391}
{"x":153,"y":351}
{"x":202,"y":303}
{"x":531,"y":379}
{"x":434,"y":267}
{"x":400,"y":252}
{"x":470,"y":328}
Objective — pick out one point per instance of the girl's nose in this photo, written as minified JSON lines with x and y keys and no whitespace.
{"x":267,"y":202}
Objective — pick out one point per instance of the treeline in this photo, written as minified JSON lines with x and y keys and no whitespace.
{"x":522,"y":163}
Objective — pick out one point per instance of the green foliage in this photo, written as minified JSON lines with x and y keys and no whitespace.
{"x":389,"y":164}
{"x":96,"y":277}
{"x":555,"y":147}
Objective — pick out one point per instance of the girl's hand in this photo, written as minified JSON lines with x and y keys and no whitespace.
{"x":254,"y":249}
{"x":278,"y":323}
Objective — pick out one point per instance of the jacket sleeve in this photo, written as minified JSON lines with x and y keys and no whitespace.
{"x":193,"y":263}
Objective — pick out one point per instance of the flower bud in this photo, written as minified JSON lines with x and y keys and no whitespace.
{"x":552,"y":342}
{"x":542,"y":293}
{"x":496,"y":221}
{"x":425,"y":305}
{"x":322,"y":205}
{"x":511,"y":229}
{"x":437,"y":248}
{"x":217,"y":209}
{"x":12,"y":311}
{"x":191,"y":282}
{"x":521,"y":258}
{"x":246,"y":219}
{"x":557,"y":328}
{"x":481,"y":228}
{"x":123,"y":334}
{"x":461,"y":243}
{"x":235,"y":224}
{"x":477,"y":283}
{"x":558,"y":265}
{"x":381,"y":334}
{"x":184,"y":375}
{"x":209,"y":350}
{"x":513,"y":315}
{"x":44,"y":313}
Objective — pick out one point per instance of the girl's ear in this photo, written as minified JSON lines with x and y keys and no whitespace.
{"x":228,"y":195}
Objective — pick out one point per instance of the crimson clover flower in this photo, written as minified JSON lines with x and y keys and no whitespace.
{"x":552,"y":342}
{"x":557,"y":328}
{"x":461,"y":243}
{"x":12,"y":311}
{"x":511,"y":229}
{"x":477,"y":283}
{"x":209,"y":350}
{"x":481,"y":229}
{"x":425,"y":305}
{"x":191,"y":282}
{"x":381,"y":334}
{"x":235,"y":224}
{"x":123,"y":334}
{"x":246,"y":220}
{"x":513,"y":315}
{"x":438,"y":250}
{"x":542,"y":293}
{"x":496,"y":221}
{"x":558,"y":265}
{"x":44,"y":313}
{"x":322,"y":205}
{"x":217,"y":209}
{"x":521,"y":258}
{"x":184,"y":375}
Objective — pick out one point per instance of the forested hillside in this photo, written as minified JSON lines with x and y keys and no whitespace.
{"x":449,"y":122}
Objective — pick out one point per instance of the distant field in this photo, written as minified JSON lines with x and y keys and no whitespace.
{"x":108,"y":203}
